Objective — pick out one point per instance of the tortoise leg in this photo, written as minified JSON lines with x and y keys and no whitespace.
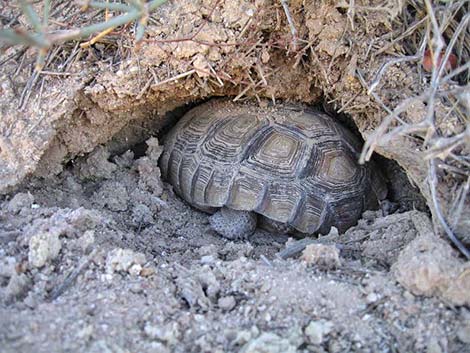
{"x":233,"y":224}
{"x":275,"y":227}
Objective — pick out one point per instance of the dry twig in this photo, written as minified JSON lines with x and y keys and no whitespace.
{"x":293,"y":30}
{"x":438,"y":90}
{"x":43,"y":40}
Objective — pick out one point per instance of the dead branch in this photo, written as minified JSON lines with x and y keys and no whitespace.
{"x":293,"y":30}
{"x":432,"y":178}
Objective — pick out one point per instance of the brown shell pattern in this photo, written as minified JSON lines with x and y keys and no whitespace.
{"x":292,"y":165}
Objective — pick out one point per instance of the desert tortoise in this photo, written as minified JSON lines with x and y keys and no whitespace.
{"x":290,"y":164}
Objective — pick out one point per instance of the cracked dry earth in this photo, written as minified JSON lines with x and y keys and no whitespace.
{"x":105,"y":258}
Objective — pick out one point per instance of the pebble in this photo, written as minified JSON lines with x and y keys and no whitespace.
{"x":226,"y":303}
{"x":43,"y":247}
{"x":20,"y":201}
{"x":269,"y":342}
{"x":372,"y":298}
{"x":141,"y":214}
{"x":147,"y":271}
{"x":335,"y":346}
{"x":207,"y":259}
{"x":7,"y":266}
{"x":408,"y":296}
{"x":317,"y":330}
{"x":135,"y":269}
{"x":207,"y":250}
{"x":17,"y":286}
{"x":136,"y":288}
{"x":124,"y":260}
{"x":243,"y":336}
{"x":428,"y":266}
{"x":326,"y":256}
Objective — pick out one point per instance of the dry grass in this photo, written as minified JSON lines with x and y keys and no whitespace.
{"x":438,"y":33}
{"x":58,"y":36}
{"x":38,"y":34}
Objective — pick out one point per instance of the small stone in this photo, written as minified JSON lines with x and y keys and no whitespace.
{"x":372,"y":298}
{"x":43,"y":247}
{"x":20,"y":201}
{"x":158,"y":347}
{"x":408,"y":296}
{"x":147,"y":272}
{"x":135,"y":269}
{"x":124,"y":260}
{"x":428,"y":266}
{"x":209,"y":281}
{"x":107,"y":277}
{"x":242,"y":337}
{"x":18,"y":286}
{"x":336,"y":346}
{"x":7,"y":266}
{"x":238,"y":250}
{"x":141,"y":214}
{"x":333,"y":232}
{"x":207,"y":259}
{"x":226,"y":303}
{"x":295,"y":335}
{"x":147,"y":166}
{"x":269,"y":342}
{"x":326,"y":256}
{"x":125,"y":160}
{"x":136,"y":287}
{"x":30,"y":301}
{"x":317,"y":330}
{"x":463,"y":333}
{"x":149,"y":175}
{"x":81,"y":219}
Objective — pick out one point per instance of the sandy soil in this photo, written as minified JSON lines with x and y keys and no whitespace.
{"x":209,"y":48}
{"x":97,"y":254}
{"x":105,"y":257}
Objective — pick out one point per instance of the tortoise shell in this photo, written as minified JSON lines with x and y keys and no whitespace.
{"x":290,"y":164}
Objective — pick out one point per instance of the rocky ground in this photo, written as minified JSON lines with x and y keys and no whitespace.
{"x":105,"y":258}
{"x":97,"y":254}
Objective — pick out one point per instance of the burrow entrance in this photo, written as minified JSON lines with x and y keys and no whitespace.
{"x":95,"y":171}
{"x":402,"y":194}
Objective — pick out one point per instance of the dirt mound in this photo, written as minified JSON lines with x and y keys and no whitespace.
{"x":93,"y":244}
{"x":195,"y":51}
{"x":95,"y":254}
